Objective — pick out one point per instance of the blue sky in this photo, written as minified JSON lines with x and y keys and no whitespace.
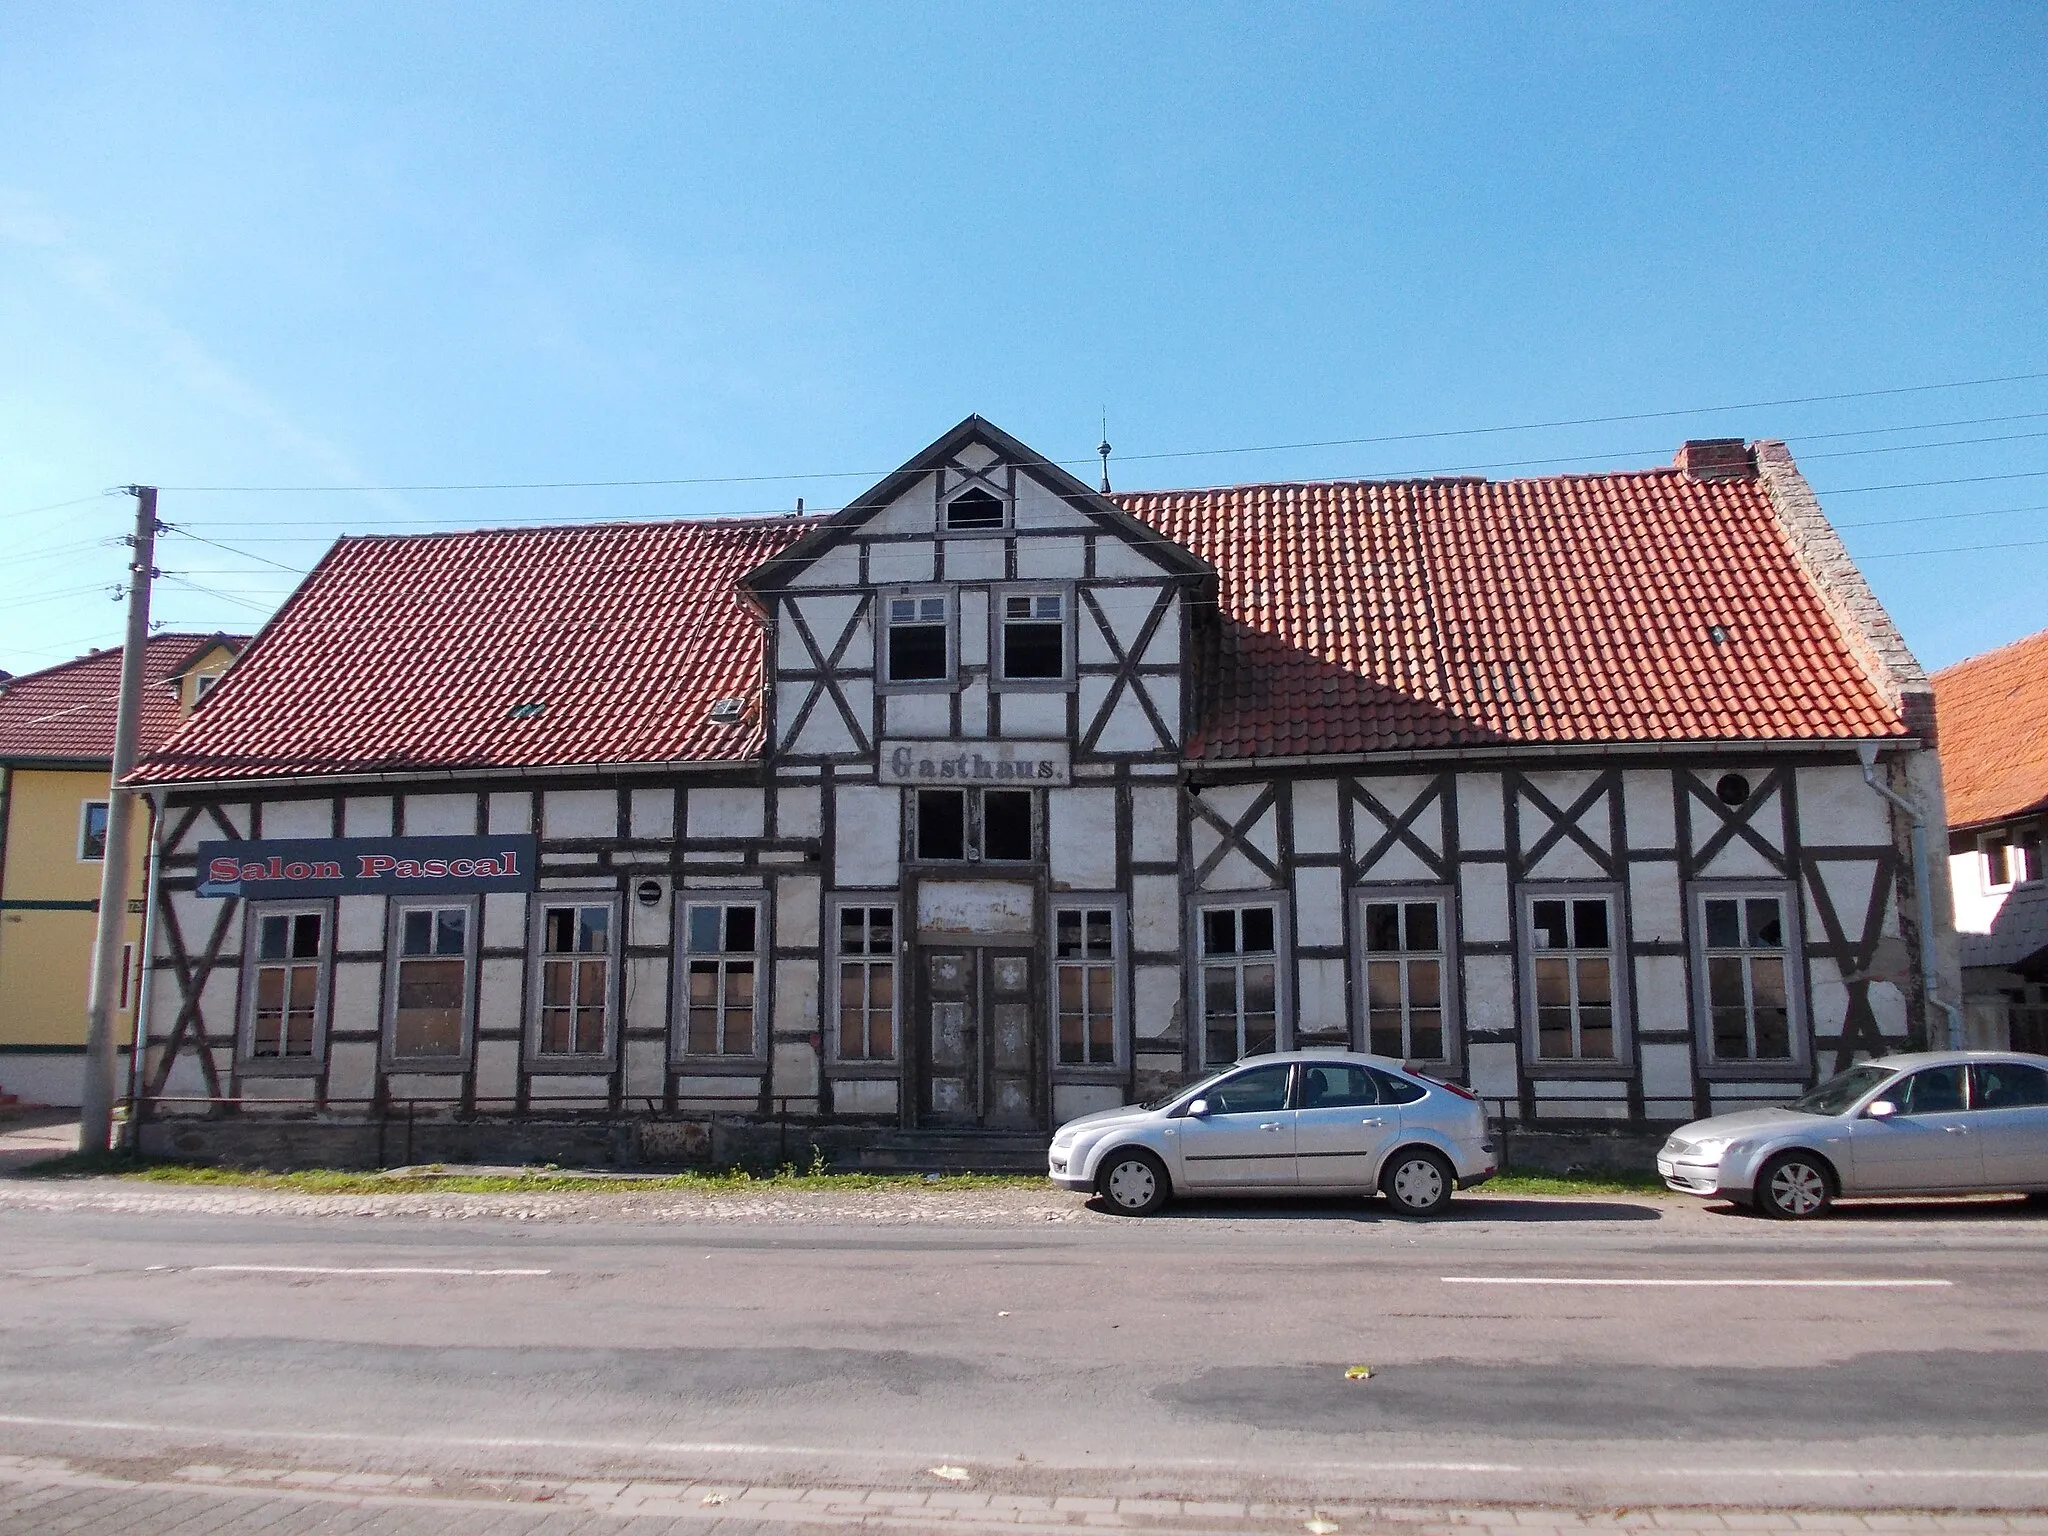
{"x":335,"y":245}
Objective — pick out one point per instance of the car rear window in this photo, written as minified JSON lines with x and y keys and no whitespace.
{"x":1396,"y":1090}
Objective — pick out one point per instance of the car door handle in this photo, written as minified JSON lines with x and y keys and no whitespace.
{"x":1270,"y":1125}
{"x":1957,"y":1130}
{"x":1372,"y":1122}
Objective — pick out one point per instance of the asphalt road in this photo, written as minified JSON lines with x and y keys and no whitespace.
{"x":1896,"y":1357}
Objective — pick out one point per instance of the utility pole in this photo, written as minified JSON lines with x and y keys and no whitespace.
{"x":96,"y":1103}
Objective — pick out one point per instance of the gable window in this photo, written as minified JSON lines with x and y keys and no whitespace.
{"x":1084,"y":984}
{"x":1406,"y":944}
{"x":1032,"y":642}
{"x":287,"y":992}
{"x":2011,"y":857}
{"x":430,"y":995}
{"x":974,"y":511}
{"x":867,"y":983}
{"x":92,"y":832}
{"x":722,"y":962}
{"x":1240,"y":983}
{"x":1573,"y":954}
{"x":993,"y":825}
{"x":1743,"y":953}
{"x":574,"y":995}
{"x":917,"y":644}
{"x":202,"y":685}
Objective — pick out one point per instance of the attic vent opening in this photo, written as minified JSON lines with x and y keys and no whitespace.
{"x":974,"y":509}
{"x":1731,"y":789}
{"x":728,"y":711}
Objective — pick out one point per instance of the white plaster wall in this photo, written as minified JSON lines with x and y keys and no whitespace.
{"x":1667,"y":1071}
{"x":366,"y":816}
{"x":1660,"y":993}
{"x":1492,"y":1068}
{"x":1481,"y":828}
{"x":1829,"y":997}
{"x":356,"y":990}
{"x":351,"y":1070}
{"x":1646,"y":803}
{"x":1050,"y":557}
{"x":1155,"y":825}
{"x":298,"y":818}
{"x":795,"y":1070}
{"x":836,"y":567}
{"x":1072,"y":1100}
{"x":1836,"y":808}
{"x":1156,"y":992}
{"x":1083,"y":842}
{"x":646,"y":1069}
{"x":974,"y":560}
{"x":1318,"y":906}
{"x":1315,"y":816}
{"x":917,"y":715}
{"x":1113,"y":557}
{"x":912,"y":512}
{"x":902,"y":564}
{"x":1976,"y":908}
{"x":552,"y":1085}
{"x":1039,"y":507}
{"x":724,"y":812}
{"x":497,"y":1069}
{"x":500,"y":994}
{"x":1656,"y":906}
{"x":1126,"y":609}
{"x":650,"y":925}
{"x":440,"y":815}
{"x":511,"y":811}
{"x":580,"y":813}
{"x":796,"y":911}
{"x":651,"y":813}
{"x":1319,"y":997}
{"x":864,"y":1096}
{"x":1483,"y":914}
{"x":425,"y":1086}
{"x":504,"y":920}
{"x":1488,"y":999}
{"x":797,"y":811}
{"x":867,"y":835}
{"x":1399,"y":862}
{"x":1040,"y":716}
{"x":1155,"y":913}
{"x":646,"y":990}
{"x":974,"y":712}
{"x":1128,"y":728}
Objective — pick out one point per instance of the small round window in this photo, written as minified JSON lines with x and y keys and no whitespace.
{"x":1731,"y":789}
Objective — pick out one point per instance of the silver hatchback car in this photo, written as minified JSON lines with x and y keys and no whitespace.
{"x":1301,"y":1121}
{"x":1933,"y":1123}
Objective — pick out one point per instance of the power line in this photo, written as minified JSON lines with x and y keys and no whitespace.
{"x":1954,"y":549}
{"x":1941,"y":517}
{"x":1916,"y":485}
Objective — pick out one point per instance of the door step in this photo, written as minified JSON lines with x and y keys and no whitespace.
{"x":955,"y":1152}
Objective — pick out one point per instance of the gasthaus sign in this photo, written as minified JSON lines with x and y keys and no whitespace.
{"x":974,"y":762}
{"x":295,"y":868}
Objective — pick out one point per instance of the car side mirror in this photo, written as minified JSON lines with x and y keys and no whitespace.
{"x":1199,"y":1108}
{"x":1881,"y":1109}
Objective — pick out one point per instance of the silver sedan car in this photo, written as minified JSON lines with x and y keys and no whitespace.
{"x":1301,"y":1121}
{"x":1933,"y":1123}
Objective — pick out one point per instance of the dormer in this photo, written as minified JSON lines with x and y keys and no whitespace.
{"x":197,"y":676}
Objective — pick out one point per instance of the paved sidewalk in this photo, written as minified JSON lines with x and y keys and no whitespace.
{"x":52,"y":1494}
{"x":32,"y":1135}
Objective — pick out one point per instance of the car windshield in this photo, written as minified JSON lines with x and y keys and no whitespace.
{"x":1190,"y":1090}
{"x":1844,"y":1089}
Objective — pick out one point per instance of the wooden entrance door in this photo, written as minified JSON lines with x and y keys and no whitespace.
{"x":977,"y":1044}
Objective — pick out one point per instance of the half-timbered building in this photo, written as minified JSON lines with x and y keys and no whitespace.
{"x":993,"y":798}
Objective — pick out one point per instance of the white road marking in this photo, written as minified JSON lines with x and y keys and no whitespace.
{"x":322,"y":1269}
{"x":189,"y":1432}
{"x":1850,"y":1285}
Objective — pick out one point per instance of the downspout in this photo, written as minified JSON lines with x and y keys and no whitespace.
{"x":139,"y":1048}
{"x":1866,"y":753}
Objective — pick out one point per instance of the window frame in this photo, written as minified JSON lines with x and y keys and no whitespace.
{"x":891,"y":1066}
{"x":1778,"y":1069}
{"x":394,"y":933}
{"x":998,"y":596}
{"x":973,"y":852}
{"x":884,"y":596}
{"x":748,"y":1064}
{"x":581,"y":1062}
{"x":942,"y":521}
{"x":1118,"y":907}
{"x":1452,"y":1061}
{"x":2011,"y":838}
{"x":85,"y":810}
{"x":1621,"y":980}
{"x":1283,"y":968}
{"x":247,"y":1062}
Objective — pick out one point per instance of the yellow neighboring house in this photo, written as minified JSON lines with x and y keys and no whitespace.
{"x":56,"y":752}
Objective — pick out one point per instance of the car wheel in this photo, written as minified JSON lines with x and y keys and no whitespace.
{"x":1418,"y":1182}
{"x":1133,"y":1181}
{"x":1794,"y":1186}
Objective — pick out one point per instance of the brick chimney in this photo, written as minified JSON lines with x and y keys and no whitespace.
{"x":1717,"y":458}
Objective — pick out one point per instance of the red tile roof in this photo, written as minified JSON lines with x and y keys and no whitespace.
{"x":1383,"y":616}
{"x":604,"y":643}
{"x":65,"y":713}
{"x":1992,"y":717}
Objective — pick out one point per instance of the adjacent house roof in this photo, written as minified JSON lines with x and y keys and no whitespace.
{"x":65,"y":713}
{"x":1993,"y":713}
{"x":531,"y":647}
{"x":1352,"y":617}
{"x":1656,"y":605}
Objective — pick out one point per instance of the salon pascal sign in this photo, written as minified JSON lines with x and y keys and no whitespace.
{"x":299,"y":868}
{"x":1040,"y":763}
